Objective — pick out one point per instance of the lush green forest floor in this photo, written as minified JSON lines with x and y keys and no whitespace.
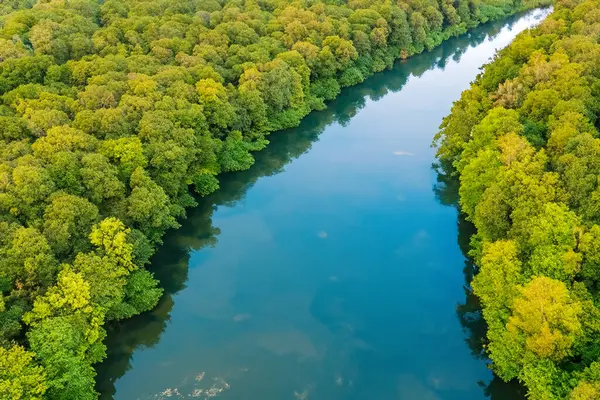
{"x":524,"y":141}
{"x":110,"y":111}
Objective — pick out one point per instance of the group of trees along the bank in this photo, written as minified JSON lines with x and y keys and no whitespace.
{"x":525,"y":142}
{"x":110,"y":111}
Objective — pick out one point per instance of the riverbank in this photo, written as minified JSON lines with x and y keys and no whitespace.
{"x":523,"y":142}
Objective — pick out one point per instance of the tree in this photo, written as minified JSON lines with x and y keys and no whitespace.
{"x":140,"y":294}
{"x":62,"y":138}
{"x":235,"y":155}
{"x":148,"y":206}
{"x":66,"y":335}
{"x":547,"y":318}
{"x":585,"y":391}
{"x":590,"y":250}
{"x":551,"y":238}
{"x":59,"y":342}
{"x":20,"y":377}
{"x":213,"y":97}
{"x":128,"y":152}
{"x":32,"y":184}
{"x":111,"y":239}
{"x":500,"y":274}
{"x":70,"y":295}
{"x":28,"y":259}
{"x":497,"y":123}
{"x":67,"y":223}
{"x":479,"y":174}
{"x":100,"y":178}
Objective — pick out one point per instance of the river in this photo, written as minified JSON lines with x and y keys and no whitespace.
{"x":333,"y":268}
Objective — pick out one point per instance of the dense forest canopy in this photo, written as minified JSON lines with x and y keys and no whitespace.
{"x":111,"y":110}
{"x":525,"y":142}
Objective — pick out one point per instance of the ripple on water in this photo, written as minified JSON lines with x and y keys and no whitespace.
{"x":206,"y":390}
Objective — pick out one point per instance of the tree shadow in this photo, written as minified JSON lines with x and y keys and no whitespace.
{"x":469,"y":312}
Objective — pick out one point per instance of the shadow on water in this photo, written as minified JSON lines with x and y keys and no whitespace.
{"x":469,"y":313}
{"x":170,"y":264}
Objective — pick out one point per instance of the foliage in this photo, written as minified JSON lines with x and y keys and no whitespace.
{"x":524,"y":143}
{"x":20,"y":378}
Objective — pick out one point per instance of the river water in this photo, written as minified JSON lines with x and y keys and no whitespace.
{"x":333,"y":268}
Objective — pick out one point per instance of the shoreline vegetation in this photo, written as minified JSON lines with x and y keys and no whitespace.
{"x":110,"y":111}
{"x":523,"y":141}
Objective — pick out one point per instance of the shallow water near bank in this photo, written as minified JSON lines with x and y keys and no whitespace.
{"x":332,"y":269}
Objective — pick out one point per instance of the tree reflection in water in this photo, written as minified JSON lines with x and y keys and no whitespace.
{"x":469,"y":312}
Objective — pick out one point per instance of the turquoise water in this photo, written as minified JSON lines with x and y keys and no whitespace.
{"x":333,"y":268}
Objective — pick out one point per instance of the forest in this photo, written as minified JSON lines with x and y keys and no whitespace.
{"x":117,"y":115}
{"x":524,"y":143}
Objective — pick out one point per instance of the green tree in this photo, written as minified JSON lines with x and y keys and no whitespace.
{"x":148,"y":206}
{"x":27,"y":259}
{"x":547,"y":318}
{"x":67,"y":223}
{"x":20,"y":377}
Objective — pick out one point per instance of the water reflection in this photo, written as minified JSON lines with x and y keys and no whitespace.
{"x":171,"y":263}
{"x":469,"y":312}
